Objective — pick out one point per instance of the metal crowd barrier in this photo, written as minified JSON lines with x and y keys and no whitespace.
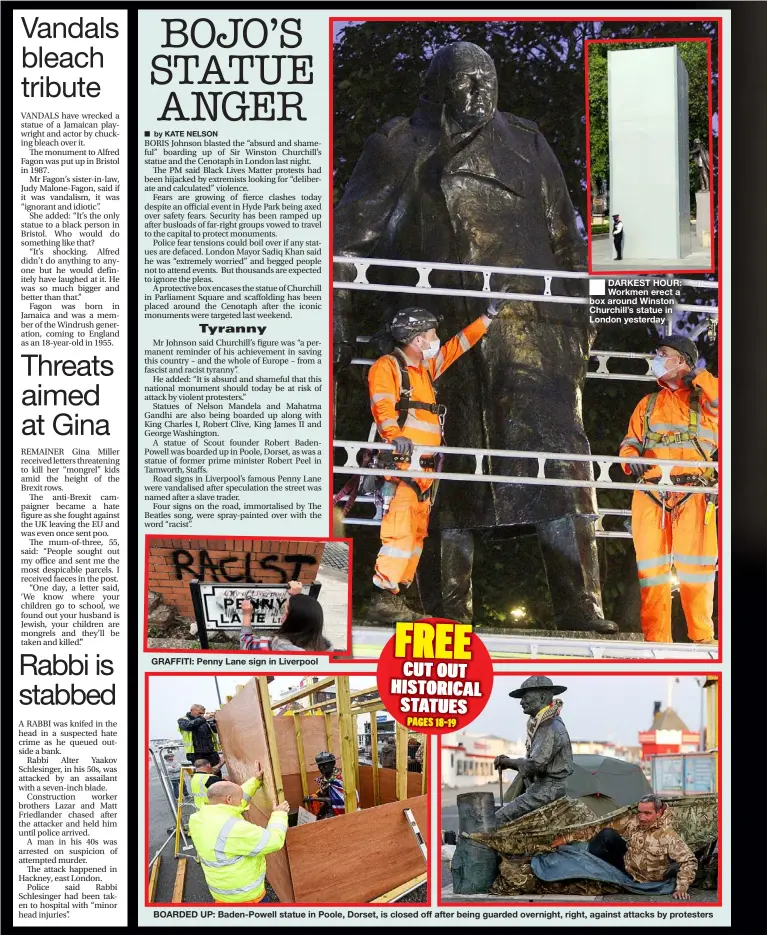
{"x":604,"y":463}
{"x":424,"y":270}
{"x":603,"y":481}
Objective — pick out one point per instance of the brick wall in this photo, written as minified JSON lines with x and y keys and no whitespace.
{"x":174,"y":562}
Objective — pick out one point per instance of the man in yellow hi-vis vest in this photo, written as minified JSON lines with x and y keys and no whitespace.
{"x":203,"y":777}
{"x":233,"y":851}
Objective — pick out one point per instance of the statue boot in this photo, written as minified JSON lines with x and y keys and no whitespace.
{"x":456,"y":563}
{"x":569,"y":550}
{"x":388,"y":607}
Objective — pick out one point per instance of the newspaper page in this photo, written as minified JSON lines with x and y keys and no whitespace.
{"x":371,"y":392}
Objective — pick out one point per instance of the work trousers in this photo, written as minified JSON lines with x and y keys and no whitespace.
{"x":686,"y":541}
{"x":403,"y":529}
{"x":618,"y":244}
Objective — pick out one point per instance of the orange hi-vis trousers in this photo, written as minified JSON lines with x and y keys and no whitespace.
{"x":686,"y":541}
{"x":403,"y":529}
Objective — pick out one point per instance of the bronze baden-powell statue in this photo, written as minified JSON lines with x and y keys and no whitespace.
{"x":460,"y":182}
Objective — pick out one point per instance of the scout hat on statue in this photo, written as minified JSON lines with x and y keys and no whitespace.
{"x":536,"y":682}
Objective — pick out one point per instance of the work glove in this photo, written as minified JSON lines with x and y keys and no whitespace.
{"x":690,"y":376}
{"x":492,"y":310}
{"x":402,"y":445}
{"x":637,"y":470}
{"x":342,"y":356}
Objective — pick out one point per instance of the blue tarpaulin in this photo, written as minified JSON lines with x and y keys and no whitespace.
{"x":574,"y":862}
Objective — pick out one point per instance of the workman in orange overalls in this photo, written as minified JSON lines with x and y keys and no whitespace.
{"x":406,"y":413}
{"x":677,"y":422}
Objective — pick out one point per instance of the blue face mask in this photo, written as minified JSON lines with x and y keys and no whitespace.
{"x":658,"y":366}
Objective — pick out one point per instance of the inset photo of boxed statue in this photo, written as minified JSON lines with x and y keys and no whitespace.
{"x":502,"y":458}
{"x":282,"y":789}
{"x":251,"y":595}
{"x":651,"y":155}
{"x":573,"y":787}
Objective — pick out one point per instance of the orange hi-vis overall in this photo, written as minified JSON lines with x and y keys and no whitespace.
{"x":405,"y":524}
{"x":682,"y":425}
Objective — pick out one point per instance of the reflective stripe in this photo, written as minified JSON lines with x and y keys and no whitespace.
{"x":417,"y":550}
{"x":262,"y":844}
{"x":377,"y":397}
{"x":391,"y":552}
{"x":696,"y":559}
{"x":239,"y":889}
{"x":711,"y":403}
{"x":223,"y":834}
{"x":226,"y":862}
{"x":246,"y":797}
{"x":695,"y":577}
{"x":386,"y":423}
{"x":646,"y":563}
{"x":634,"y":442}
{"x":658,"y":579}
{"x":379,"y":582}
{"x":439,"y":363}
{"x":431,"y":428}
{"x":463,"y":342}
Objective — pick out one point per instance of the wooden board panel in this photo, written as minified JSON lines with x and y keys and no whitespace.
{"x":373,"y":851}
{"x":243,"y":738}
{"x":314,"y":740}
{"x":387,"y":784}
{"x":291,"y":786}
{"x":178,"y":886}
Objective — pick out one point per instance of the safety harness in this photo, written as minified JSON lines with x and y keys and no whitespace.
{"x":669,"y":440}
{"x":403,"y":405}
{"x":384,"y":459}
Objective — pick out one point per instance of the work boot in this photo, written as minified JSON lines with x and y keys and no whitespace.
{"x":387,"y":607}
{"x":569,"y":550}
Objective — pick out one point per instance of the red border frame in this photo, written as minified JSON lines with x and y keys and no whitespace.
{"x":646,"y":272}
{"x":623,"y":904}
{"x":613,"y":19}
{"x":237,"y":652}
{"x":266,"y":906}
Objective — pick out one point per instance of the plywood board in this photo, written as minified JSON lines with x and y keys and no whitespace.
{"x":292,"y":790}
{"x":242,"y":734}
{"x":313,"y":737}
{"x":387,"y":785}
{"x":373,"y":851}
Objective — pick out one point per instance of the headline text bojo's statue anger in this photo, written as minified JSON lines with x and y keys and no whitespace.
{"x":461,"y":182}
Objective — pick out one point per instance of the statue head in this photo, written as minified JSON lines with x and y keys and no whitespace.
{"x":326,"y":763}
{"x":535,"y":693}
{"x":462,"y":77}
{"x":532,"y":701}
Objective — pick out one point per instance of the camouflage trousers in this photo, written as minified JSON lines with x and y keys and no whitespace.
{"x":535,"y":796}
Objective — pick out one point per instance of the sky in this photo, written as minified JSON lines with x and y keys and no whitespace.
{"x":613,"y":708}
{"x":171,"y":696}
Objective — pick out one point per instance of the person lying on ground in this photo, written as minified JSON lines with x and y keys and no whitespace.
{"x":645,"y":846}
{"x":301,"y":630}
